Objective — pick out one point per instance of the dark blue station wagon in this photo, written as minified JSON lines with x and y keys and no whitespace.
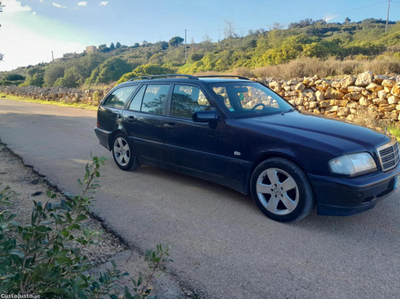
{"x":241,"y":134}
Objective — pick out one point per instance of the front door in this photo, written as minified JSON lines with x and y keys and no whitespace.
{"x":144,"y":120}
{"x":192,"y":145}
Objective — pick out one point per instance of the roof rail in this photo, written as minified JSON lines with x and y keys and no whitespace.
{"x":223,"y":76}
{"x":164,"y":76}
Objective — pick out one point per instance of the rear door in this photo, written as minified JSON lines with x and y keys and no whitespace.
{"x":193,"y":145}
{"x":144,"y":120}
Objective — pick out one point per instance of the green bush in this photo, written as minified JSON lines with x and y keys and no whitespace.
{"x":109,"y":71}
{"x":145,"y":70}
{"x":40,"y":258}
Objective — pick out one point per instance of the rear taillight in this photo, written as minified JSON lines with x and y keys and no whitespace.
{"x":98,"y":125}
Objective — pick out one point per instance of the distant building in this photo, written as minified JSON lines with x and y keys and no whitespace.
{"x":91,"y":49}
{"x":69,"y":55}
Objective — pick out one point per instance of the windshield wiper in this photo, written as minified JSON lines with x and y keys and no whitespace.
{"x":290,"y":110}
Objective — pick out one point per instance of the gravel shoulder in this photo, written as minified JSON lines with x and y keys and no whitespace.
{"x":30,"y":185}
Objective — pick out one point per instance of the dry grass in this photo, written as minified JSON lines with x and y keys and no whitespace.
{"x":61,"y":104}
{"x":308,"y":67}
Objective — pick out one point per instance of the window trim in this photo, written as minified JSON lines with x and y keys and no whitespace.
{"x":114,"y":90}
{"x":169,"y":107}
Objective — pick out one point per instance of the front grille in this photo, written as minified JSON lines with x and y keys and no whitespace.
{"x":389,"y":155}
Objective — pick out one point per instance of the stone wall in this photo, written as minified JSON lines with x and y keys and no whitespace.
{"x":59,"y":94}
{"x":344,"y":97}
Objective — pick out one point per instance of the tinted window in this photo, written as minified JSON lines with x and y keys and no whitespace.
{"x":188,"y":99}
{"x":154,"y":98}
{"x":137,"y":100}
{"x":119,"y":97}
{"x":250,"y":99}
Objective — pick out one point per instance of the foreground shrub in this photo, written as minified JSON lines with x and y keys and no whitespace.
{"x":45,"y":257}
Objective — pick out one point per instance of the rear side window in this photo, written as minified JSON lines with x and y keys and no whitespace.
{"x":154,"y":99}
{"x":137,"y":100}
{"x":119,"y":97}
{"x":188,"y":99}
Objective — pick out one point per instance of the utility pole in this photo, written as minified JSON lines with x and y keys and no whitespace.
{"x":52,"y":56}
{"x":387,"y":16}
{"x":185,"y":47}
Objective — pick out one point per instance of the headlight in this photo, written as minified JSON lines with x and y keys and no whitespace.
{"x":352,"y":165}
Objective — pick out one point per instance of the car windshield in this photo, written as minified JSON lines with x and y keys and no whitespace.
{"x":250,"y":99}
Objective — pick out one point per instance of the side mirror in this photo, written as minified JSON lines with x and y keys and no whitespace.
{"x":205,"y":116}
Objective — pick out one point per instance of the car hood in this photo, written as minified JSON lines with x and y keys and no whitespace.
{"x":340,"y":134}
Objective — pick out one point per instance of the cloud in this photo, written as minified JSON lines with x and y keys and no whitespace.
{"x":329,"y":16}
{"x":31,"y":38}
{"x":34,"y":13}
{"x":59,"y":5}
{"x":82,"y":3}
{"x":103,"y":3}
{"x":41,"y":1}
{"x":15,"y":6}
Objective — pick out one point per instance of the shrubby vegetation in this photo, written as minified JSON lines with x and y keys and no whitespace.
{"x":358,"y":42}
{"x":45,"y":257}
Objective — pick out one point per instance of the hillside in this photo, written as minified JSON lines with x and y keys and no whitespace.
{"x":305,"y":48}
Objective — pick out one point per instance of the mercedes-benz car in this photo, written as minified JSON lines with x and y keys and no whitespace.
{"x":241,"y":134}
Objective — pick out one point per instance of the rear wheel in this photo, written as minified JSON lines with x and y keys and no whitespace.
{"x":281,"y":190}
{"x":123,"y":153}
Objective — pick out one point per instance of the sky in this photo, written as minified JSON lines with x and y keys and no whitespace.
{"x":32,"y":29}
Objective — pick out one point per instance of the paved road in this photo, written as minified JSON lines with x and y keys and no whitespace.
{"x":222,"y":245}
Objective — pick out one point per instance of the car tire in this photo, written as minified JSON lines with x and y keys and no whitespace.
{"x":281,"y":190}
{"x":123,"y":153}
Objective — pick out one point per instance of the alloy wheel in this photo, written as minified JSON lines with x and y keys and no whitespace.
{"x":277,"y":191}
{"x":122,"y":152}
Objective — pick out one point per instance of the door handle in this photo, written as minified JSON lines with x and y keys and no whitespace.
{"x":117,"y":114}
{"x":170,"y":126}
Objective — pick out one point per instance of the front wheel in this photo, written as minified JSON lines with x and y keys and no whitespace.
{"x":282,"y":190}
{"x":123,"y":153}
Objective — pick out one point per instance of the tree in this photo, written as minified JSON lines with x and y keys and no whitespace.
{"x":103,"y":48}
{"x":112,"y":47}
{"x":14,"y":77}
{"x":34,"y":76}
{"x":88,"y":63}
{"x":71,"y":78}
{"x":110,"y":70}
{"x":52,"y":73}
{"x":277,"y":26}
{"x":229,"y":30}
{"x":118,"y":45}
{"x":145,"y":70}
{"x":347,"y":20}
{"x":175,"y":41}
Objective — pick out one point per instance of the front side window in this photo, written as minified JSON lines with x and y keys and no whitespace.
{"x":119,"y":97}
{"x":188,"y":99}
{"x":154,"y":99}
{"x":250,"y":99}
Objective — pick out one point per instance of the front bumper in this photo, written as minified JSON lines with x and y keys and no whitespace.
{"x":348,"y":196}
{"x":104,"y":137}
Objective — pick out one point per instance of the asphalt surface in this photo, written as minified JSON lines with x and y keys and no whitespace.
{"x":222,"y":246}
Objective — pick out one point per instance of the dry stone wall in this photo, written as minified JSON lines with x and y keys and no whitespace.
{"x":345,"y":97}
{"x":58,"y":94}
